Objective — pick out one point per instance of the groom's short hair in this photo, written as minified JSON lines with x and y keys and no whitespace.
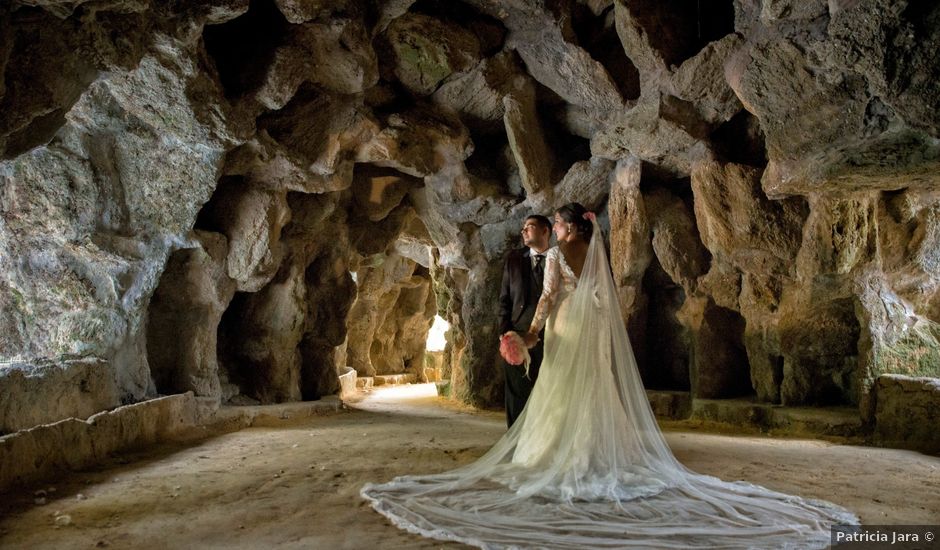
{"x":541,"y":221}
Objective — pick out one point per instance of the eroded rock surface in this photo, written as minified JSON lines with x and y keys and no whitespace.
{"x":241,"y":198}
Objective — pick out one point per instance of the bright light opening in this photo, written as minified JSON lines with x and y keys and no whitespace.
{"x":436,"y":340}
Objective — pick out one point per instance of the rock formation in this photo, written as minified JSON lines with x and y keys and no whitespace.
{"x":240,"y":198}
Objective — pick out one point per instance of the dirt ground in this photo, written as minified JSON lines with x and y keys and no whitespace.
{"x":297,"y":485}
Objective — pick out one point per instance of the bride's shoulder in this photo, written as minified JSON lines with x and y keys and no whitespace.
{"x":553,"y":252}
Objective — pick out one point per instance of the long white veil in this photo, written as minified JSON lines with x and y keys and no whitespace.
{"x":586,"y":466}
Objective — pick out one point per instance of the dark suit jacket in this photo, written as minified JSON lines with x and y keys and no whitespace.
{"x":518,"y":296}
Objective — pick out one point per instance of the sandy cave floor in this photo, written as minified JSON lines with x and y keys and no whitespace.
{"x":296,"y":485}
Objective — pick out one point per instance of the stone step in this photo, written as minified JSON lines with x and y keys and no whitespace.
{"x":348,"y":382}
{"x":394,"y":379}
{"x":907,"y":412}
{"x":835,"y":421}
{"x":675,"y":405}
{"x":364,"y":382}
{"x":229,"y":418}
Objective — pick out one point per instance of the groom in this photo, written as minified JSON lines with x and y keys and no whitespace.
{"x":518,"y":297}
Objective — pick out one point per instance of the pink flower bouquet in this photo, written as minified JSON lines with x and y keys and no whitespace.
{"x":514,"y":350}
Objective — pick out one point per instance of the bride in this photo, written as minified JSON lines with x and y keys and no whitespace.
{"x":585,"y":465}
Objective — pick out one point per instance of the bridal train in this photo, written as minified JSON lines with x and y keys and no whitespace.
{"x":585,"y":465}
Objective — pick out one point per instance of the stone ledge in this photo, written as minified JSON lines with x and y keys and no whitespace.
{"x":394,"y":379}
{"x":72,"y":444}
{"x":348,"y":382}
{"x":674,"y":405}
{"x":907,"y":412}
{"x":820,"y":421}
{"x":39,"y":452}
{"x":233,"y":418}
{"x":34,"y":394}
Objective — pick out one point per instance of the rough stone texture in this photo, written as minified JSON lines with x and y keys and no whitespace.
{"x":475,"y":359}
{"x":631,"y":251}
{"x":908,"y":224}
{"x":414,"y":243}
{"x":45,"y":451}
{"x":587,"y":182}
{"x":424,"y":51}
{"x":754,"y":242}
{"x":389,"y":321}
{"x":670,"y":404}
{"x":262,"y":333}
{"x":701,"y":81}
{"x":268,"y":164}
{"x":630,"y":241}
{"x":330,"y":131}
{"x":740,"y":225}
{"x":565,"y":68}
{"x":330,"y":289}
{"x":719,"y":366}
{"x":768,"y":169}
{"x":675,"y":241}
{"x":840,"y":235}
{"x":376,"y":191}
{"x":636,"y":42}
{"x":399,"y":343}
{"x":418,"y":142}
{"x":906,"y":412}
{"x":527,"y":140}
{"x":765,"y":359}
{"x":542,"y":36}
{"x":389,"y":11}
{"x":331,"y":292}
{"x":89,"y":219}
{"x":37,"y":452}
{"x":773,"y":10}
{"x":656,"y":133}
{"x":818,"y":338}
{"x":278,"y":344}
{"x":301,"y":11}
{"x":251,"y":219}
{"x":184,"y":315}
{"x":59,"y":71}
{"x":335,"y":56}
{"x":478,"y":93}
{"x":851,"y":131}
{"x":896,"y":339}
{"x":777,"y":419}
{"x":47,"y":392}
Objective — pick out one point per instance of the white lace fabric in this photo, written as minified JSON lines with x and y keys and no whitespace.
{"x":559,"y":281}
{"x":585,"y":465}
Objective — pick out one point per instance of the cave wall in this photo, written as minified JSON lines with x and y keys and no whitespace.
{"x":241,"y":197}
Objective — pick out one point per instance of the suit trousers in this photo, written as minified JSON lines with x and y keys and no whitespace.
{"x":518,"y":387}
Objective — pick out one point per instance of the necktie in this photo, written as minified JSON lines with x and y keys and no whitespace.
{"x":539,"y":268}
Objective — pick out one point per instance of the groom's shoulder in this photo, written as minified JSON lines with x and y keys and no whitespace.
{"x":516,"y":253}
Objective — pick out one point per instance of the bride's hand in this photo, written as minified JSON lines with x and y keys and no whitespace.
{"x":530,"y":339}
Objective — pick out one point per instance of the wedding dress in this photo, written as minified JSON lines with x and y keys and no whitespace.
{"x":585,"y":465}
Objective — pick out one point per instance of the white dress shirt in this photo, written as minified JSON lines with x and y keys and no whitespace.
{"x":532,"y":253}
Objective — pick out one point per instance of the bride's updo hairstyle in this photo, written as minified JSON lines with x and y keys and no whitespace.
{"x":573,"y":213}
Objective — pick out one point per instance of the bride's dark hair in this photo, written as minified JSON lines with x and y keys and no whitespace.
{"x":573,"y":213}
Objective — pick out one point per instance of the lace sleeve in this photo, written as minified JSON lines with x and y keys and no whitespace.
{"x":551,"y":284}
